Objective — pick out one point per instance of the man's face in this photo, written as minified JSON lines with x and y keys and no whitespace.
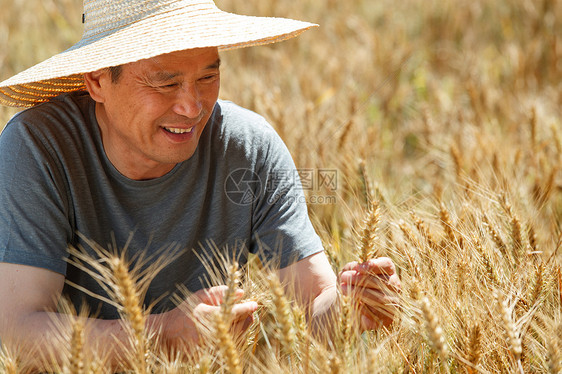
{"x":152,"y":117}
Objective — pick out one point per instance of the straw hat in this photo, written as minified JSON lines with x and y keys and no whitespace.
{"x":117,"y":32}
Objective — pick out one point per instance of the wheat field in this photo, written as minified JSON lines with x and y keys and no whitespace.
{"x":442,"y":121}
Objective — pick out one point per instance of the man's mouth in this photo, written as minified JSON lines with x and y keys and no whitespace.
{"x":177,"y":130}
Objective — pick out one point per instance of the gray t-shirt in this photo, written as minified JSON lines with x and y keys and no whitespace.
{"x":58,"y":187}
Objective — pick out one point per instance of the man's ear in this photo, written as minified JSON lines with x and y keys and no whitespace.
{"x":95,"y":83}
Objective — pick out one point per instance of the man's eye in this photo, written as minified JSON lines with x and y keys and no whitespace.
{"x":208,"y":78}
{"x":170,"y":85}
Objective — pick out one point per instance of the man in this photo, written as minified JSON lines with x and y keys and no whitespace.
{"x":127,"y":146}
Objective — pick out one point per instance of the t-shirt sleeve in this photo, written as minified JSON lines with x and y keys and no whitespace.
{"x":34,"y":225}
{"x":282,"y":229}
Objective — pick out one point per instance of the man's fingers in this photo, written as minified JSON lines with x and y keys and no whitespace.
{"x":240,"y":312}
{"x":382,"y":266}
{"x":215,"y":295}
{"x":382,"y":282}
{"x":377,"y":266}
{"x":243,"y":310}
{"x":354,"y":278}
{"x":374,"y":303}
{"x":371,"y":297}
{"x":203,"y":312}
{"x":241,"y":325}
{"x":350,"y":266}
{"x":373,"y":320}
{"x":211,"y":296}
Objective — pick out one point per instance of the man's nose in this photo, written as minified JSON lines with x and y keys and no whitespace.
{"x":188,"y":102}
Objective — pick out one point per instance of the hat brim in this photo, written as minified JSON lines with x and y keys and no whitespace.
{"x":156,"y":35}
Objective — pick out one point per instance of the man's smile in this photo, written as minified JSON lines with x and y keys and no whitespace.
{"x":177,"y":130}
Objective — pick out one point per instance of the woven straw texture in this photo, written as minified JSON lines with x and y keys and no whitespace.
{"x":117,"y":32}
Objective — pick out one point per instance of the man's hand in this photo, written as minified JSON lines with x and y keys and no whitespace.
{"x":181,"y":326}
{"x":373,"y":286}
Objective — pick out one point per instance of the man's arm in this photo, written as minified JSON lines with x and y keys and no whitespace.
{"x":313,"y":283}
{"x":29,"y":323}
{"x":373,"y":285}
{"x":28,"y":315}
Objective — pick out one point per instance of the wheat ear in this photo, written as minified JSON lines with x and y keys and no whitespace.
{"x":553,"y":358}
{"x":538,"y":287}
{"x":490,"y":268}
{"x":8,"y":363}
{"x":335,"y":364}
{"x":76,"y":357}
{"x":232,"y":284}
{"x":226,"y":344}
{"x":531,"y":234}
{"x":424,"y":231}
{"x":434,"y":331}
{"x":204,"y":365}
{"x":368,"y":249}
{"x":346,"y":323}
{"x":344,"y":134}
{"x":457,"y":160}
{"x":282,"y":314}
{"x":511,"y":334}
{"x":127,"y":295}
{"x":96,"y":367}
{"x":516,"y":228}
{"x":368,"y":189}
{"x":475,"y":348}
{"x":445,"y":220}
{"x":496,"y":238}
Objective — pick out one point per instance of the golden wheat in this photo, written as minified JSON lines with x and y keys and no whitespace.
{"x":226,"y":344}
